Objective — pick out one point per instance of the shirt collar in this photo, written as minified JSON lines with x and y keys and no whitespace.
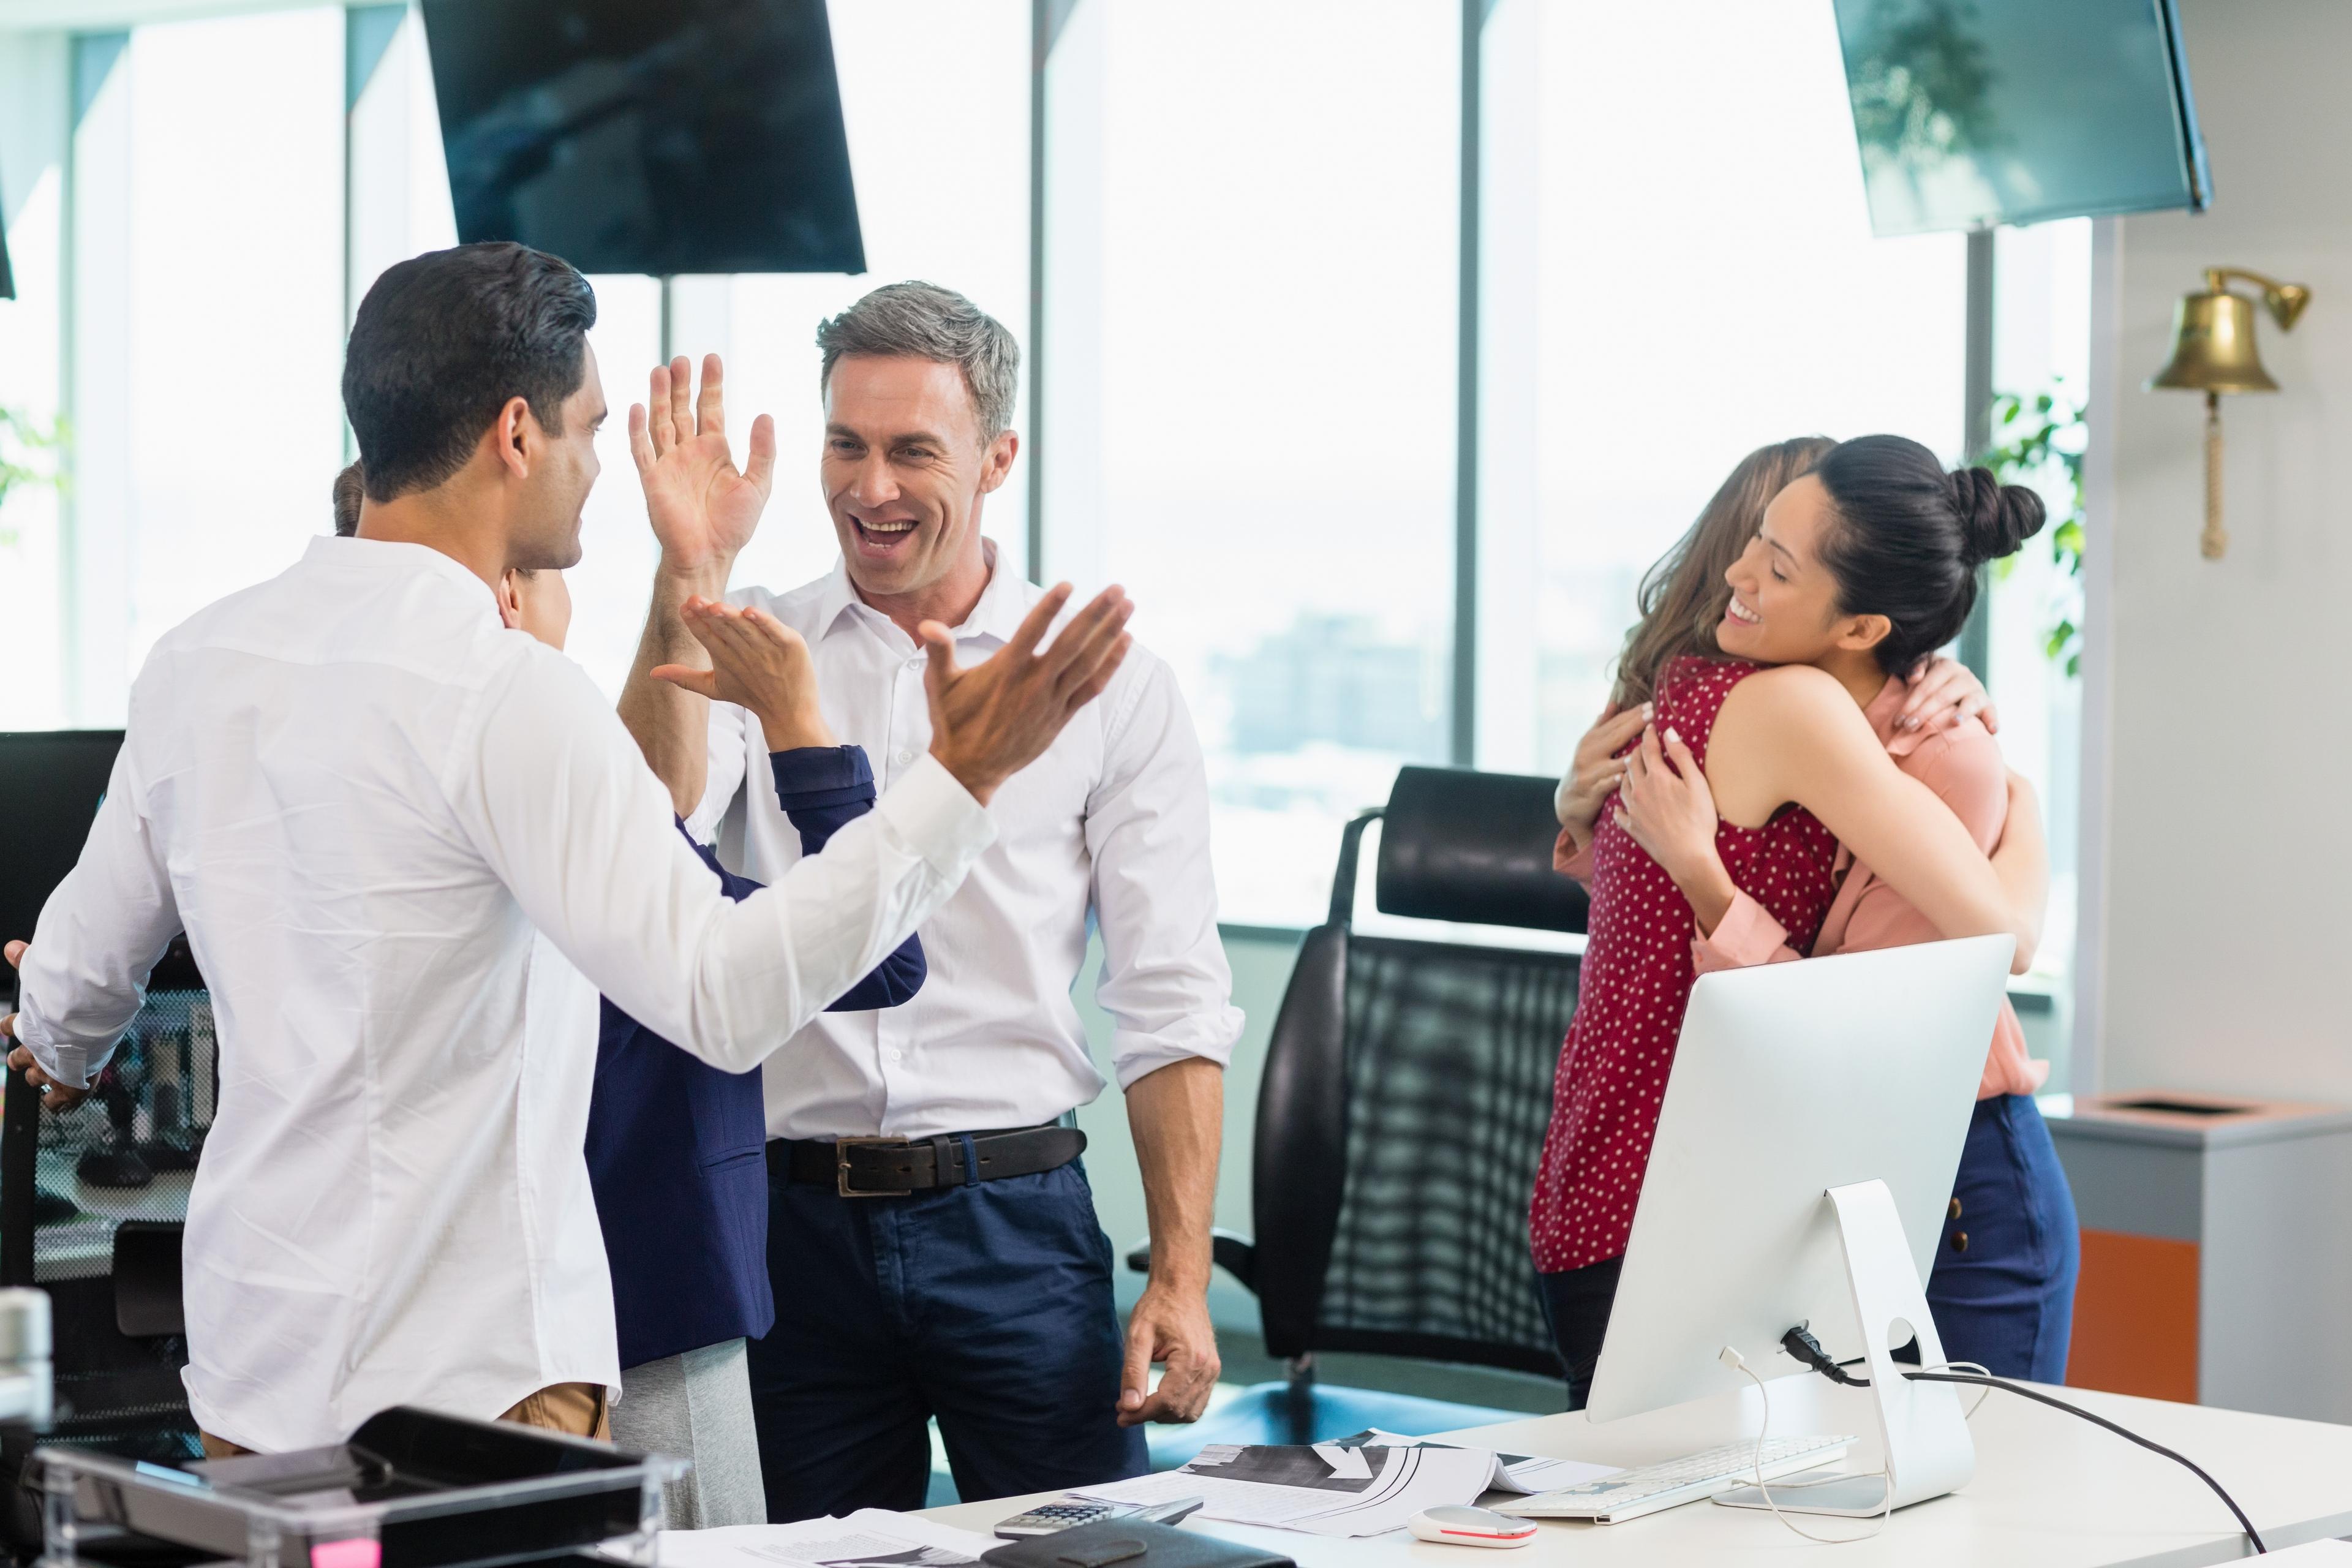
{"x":998,"y":614}
{"x":390,"y":555}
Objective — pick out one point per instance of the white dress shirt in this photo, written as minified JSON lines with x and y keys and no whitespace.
{"x":365,"y":799}
{"x":1112,"y":820}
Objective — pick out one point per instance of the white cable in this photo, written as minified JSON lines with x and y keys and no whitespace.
{"x":1982,"y":1394}
{"x":1732,"y":1358}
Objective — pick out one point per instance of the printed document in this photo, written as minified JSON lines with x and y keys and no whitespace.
{"x":870,"y":1538}
{"x":1343,"y":1489}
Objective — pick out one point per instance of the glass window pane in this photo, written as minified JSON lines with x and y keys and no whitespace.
{"x":1681,"y":269}
{"x":2041,"y":346}
{"x":235,"y":306}
{"x":1251,"y":212}
{"x":935,"y":97}
{"x":33,"y":77}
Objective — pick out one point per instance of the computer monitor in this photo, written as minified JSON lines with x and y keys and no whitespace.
{"x":2020,"y":111}
{"x":1804,"y":1157}
{"x":52,"y":781}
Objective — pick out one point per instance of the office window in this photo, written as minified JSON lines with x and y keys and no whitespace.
{"x":1679,"y":268}
{"x":208,"y":341}
{"x":33,"y":72}
{"x":935,"y":97}
{"x":2042,"y":315}
{"x":1251,"y":255}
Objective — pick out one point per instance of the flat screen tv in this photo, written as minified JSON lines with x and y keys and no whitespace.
{"x":652,"y":136}
{"x":1975,"y":113}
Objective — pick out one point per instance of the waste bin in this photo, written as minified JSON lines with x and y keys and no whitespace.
{"x":2217,"y":1250}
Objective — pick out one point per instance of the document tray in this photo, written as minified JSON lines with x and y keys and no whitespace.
{"x":413,"y":1489}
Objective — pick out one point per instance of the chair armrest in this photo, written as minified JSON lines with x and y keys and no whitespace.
{"x":1228,"y":1250}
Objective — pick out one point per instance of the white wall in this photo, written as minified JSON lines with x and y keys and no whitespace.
{"x":2227,"y":929}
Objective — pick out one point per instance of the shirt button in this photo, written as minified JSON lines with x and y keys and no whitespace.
{"x":894,"y":1056}
{"x":904,"y":756}
{"x":914,"y":663}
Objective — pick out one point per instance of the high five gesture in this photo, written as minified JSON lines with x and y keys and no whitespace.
{"x":703,"y":509}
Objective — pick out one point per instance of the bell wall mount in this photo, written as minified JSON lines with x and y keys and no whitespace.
{"x":2213,"y":352}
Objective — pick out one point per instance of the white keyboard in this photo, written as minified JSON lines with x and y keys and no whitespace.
{"x":1646,"y":1489}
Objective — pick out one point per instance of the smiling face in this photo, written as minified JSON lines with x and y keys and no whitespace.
{"x":545,"y":528}
{"x":905,"y":474}
{"x":1784,"y":598}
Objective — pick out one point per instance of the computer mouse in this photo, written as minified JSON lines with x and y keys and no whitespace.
{"x":1455,"y":1526}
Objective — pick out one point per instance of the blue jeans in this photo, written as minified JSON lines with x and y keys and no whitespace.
{"x":987,"y":1306}
{"x":2003,"y":1286}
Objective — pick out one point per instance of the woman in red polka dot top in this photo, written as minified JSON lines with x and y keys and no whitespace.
{"x":1882,"y":547}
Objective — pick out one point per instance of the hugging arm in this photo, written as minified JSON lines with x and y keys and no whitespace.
{"x":1795,"y":734}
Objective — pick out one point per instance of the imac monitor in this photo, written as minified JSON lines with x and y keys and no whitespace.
{"x":1790,"y":1080}
{"x":630,"y":136}
{"x":1974,"y":112}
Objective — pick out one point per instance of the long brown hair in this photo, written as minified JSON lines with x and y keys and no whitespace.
{"x":1684,"y":594}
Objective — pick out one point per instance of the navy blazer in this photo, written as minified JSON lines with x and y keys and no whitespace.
{"x":676,"y":1149}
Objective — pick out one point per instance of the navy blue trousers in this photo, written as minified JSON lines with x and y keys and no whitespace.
{"x":987,"y":1306}
{"x":2003,"y":1285}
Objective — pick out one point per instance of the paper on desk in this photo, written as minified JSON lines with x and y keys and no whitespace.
{"x":1333,"y":1489}
{"x":870,"y":1538}
{"x":1513,"y":1472}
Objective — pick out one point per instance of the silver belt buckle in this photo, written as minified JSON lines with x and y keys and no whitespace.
{"x":841,"y":1148}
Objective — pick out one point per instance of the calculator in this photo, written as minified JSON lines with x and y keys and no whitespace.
{"x":1070,"y":1513}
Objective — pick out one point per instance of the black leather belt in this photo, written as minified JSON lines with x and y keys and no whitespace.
{"x":894,"y":1167}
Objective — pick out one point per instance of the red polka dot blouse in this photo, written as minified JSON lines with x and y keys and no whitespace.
{"x":1635,"y":984}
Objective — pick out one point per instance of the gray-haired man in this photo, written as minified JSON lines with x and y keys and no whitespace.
{"x":932,"y":1238}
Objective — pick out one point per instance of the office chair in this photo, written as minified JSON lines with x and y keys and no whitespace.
{"x":1407,"y":1087}
{"x":92,"y":1203}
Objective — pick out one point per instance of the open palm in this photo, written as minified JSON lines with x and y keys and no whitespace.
{"x":703,"y":509}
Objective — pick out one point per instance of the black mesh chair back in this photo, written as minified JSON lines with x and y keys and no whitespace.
{"x":93,"y":1200}
{"x":1408,"y":1084}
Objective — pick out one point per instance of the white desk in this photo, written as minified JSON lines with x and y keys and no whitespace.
{"x":2050,"y":1489}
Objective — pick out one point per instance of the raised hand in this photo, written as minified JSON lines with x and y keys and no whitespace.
{"x":702,"y":508}
{"x":757,"y":663}
{"x":991,"y":720}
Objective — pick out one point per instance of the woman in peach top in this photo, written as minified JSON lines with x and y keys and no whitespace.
{"x":2003,"y":1287}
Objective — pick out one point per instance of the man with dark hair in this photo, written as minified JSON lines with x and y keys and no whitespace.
{"x":931,"y":1238}
{"x":366,"y":801}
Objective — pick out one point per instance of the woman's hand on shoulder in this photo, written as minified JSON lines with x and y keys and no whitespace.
{"x":1596,"y":768}
{"x":1946,"y":693}
{"x":1666,"y":807}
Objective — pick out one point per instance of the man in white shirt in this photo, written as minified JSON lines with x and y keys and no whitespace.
{"x":932,"y":1242}
{"x":360,"y":795}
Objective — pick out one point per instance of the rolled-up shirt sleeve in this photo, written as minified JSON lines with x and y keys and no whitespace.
{"x":560,"y":804}
{"x":1165,"y":984}
{"x":728,"y":766}
{"x":85,"y":974}
{"x":1745,"y":937}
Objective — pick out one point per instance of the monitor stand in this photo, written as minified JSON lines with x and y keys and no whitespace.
{"x":1925,"y":1437}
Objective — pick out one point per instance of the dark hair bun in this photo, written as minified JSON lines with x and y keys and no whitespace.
{"x":1995,"y":519}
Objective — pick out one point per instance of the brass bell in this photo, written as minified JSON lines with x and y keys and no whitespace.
{"x":2213,"y":352}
